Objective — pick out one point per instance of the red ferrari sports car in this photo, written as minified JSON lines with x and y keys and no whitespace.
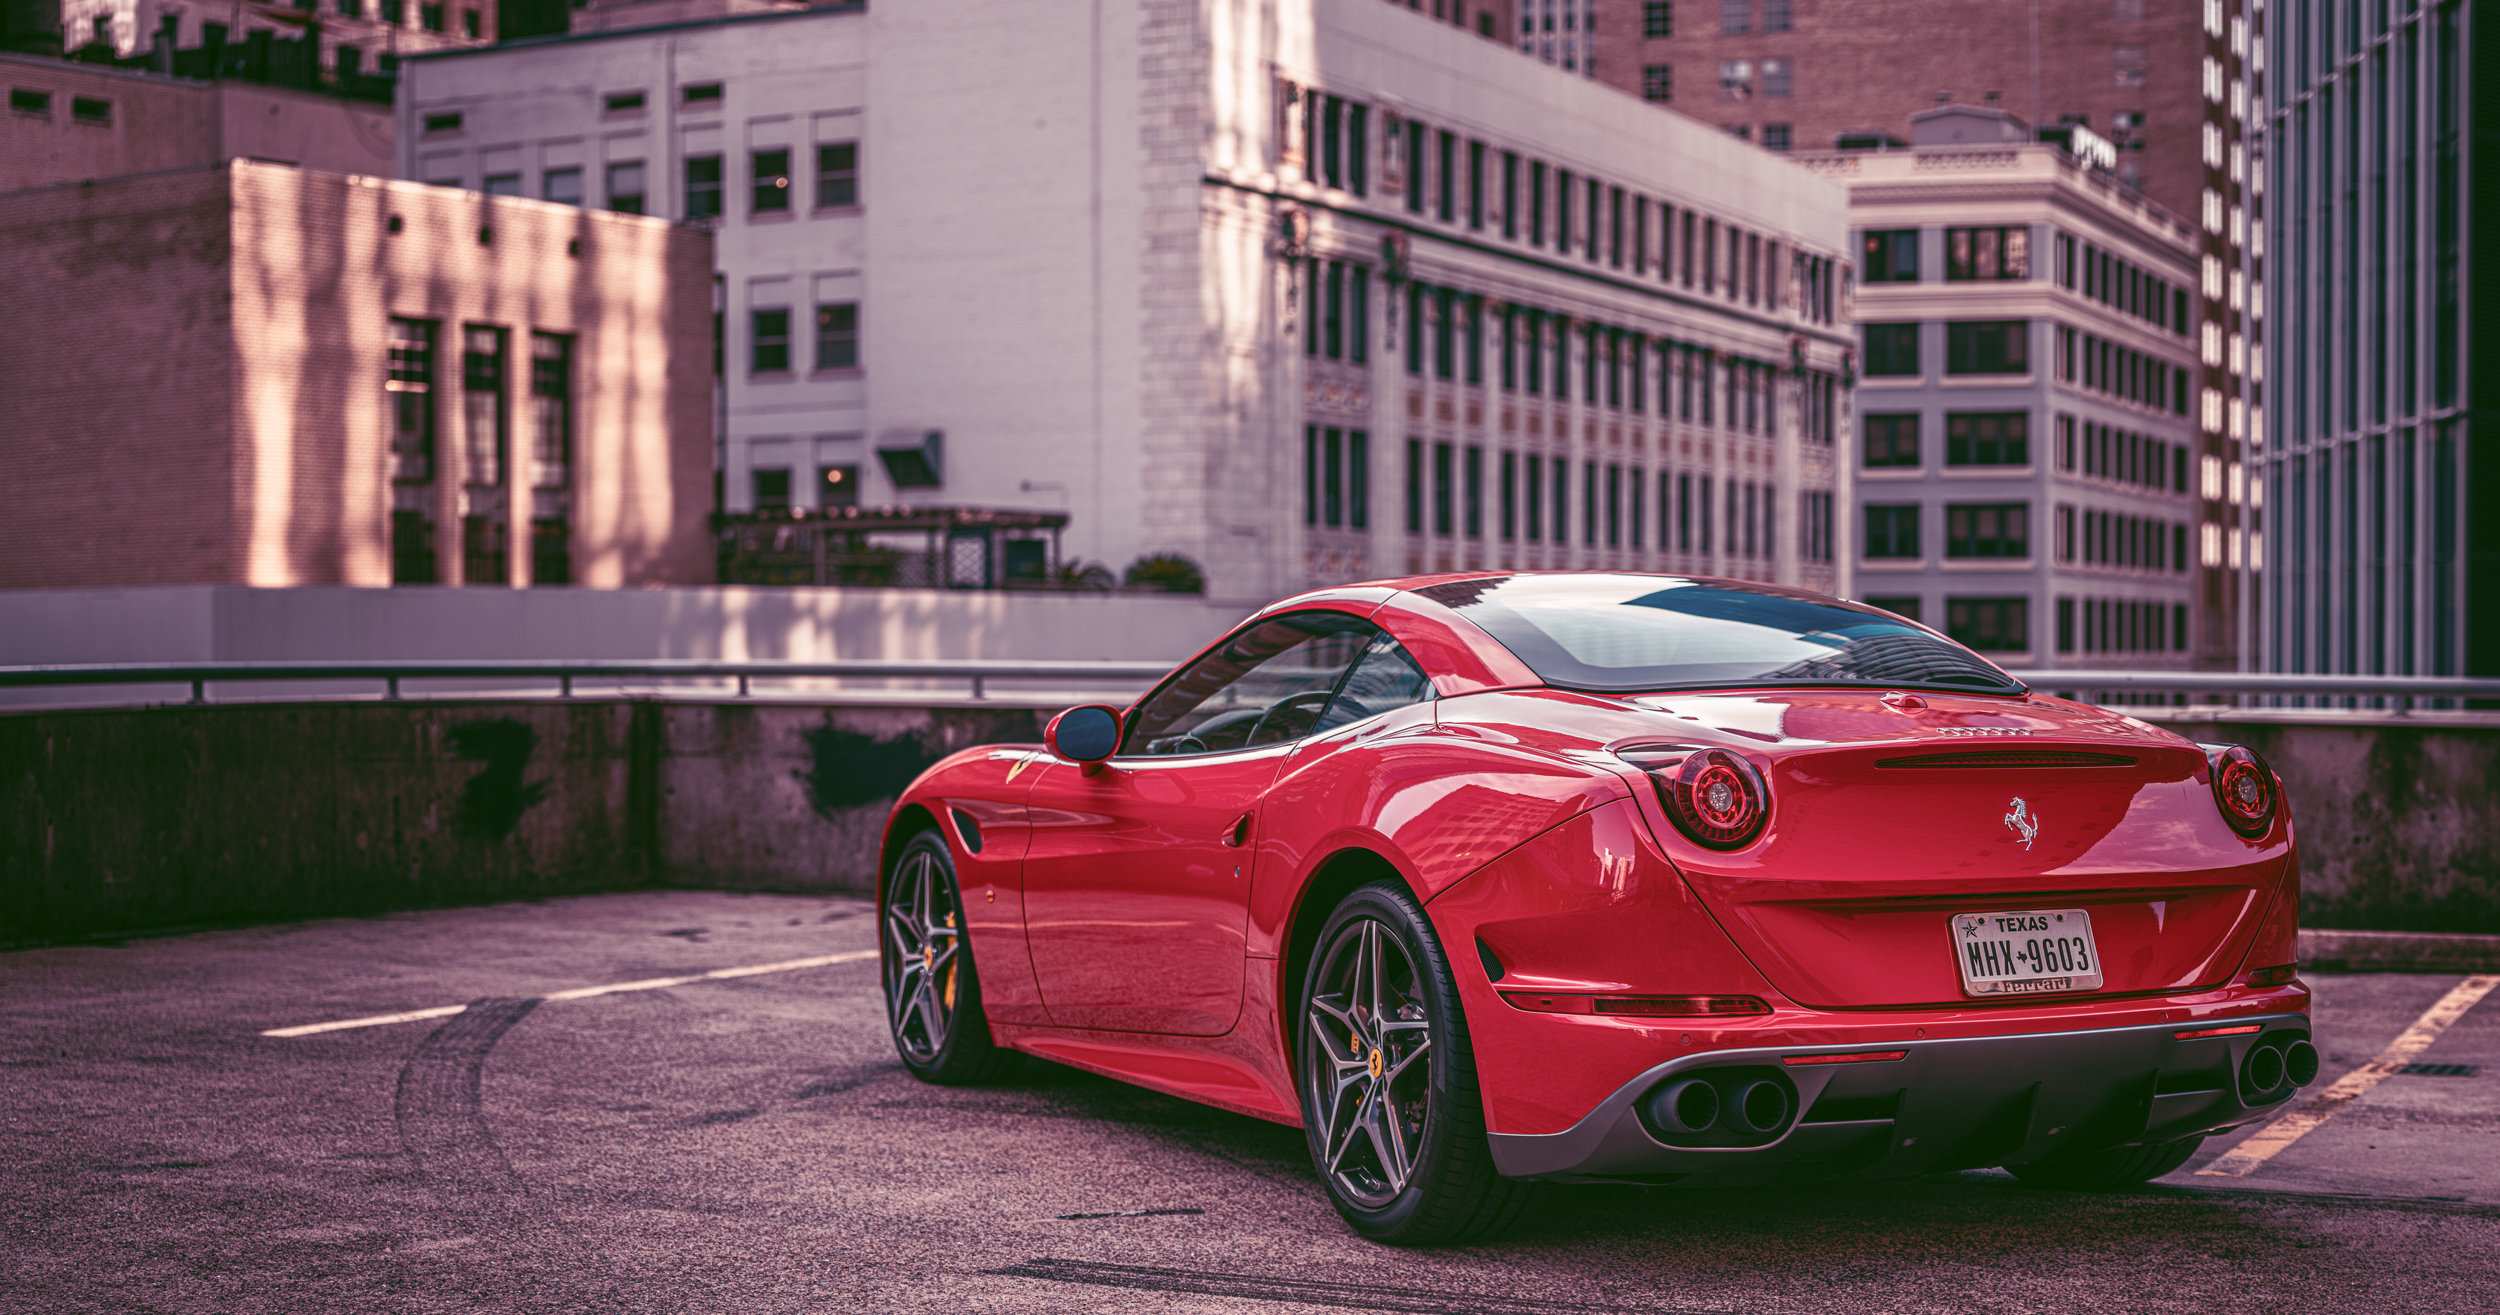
{"x":1496,"y":878}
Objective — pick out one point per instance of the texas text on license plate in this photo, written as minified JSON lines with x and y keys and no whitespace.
{"x":2026,"y":952}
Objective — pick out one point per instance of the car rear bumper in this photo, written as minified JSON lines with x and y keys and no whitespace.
{"x":1943,"y":1105}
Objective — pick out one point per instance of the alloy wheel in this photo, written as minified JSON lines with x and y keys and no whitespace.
{"x":1374,"y":1088}
{"x":924,"y":942}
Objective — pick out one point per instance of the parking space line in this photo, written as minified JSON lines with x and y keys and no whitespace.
{"x":2270,"y":1140}
{"x":582,"y":992}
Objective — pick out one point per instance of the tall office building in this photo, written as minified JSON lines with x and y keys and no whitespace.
{"x":2164,"y":82}
{"x":1309,"y":293}
{"x":2378,"y":535}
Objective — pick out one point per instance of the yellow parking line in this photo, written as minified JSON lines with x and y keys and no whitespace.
{"x":581,"y":993}
{"x":2270,"y":1140}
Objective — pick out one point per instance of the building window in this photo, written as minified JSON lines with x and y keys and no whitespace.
{"x":1993,"y":529}
{"x":551,"y":410}
{"x":1658,"y":82}
{"x":1892,"y":440}
{"x":1736,"y":83}
{"x":704,"y":95}
{"x":430,"y":17}
{"x":411,"y":390}
{"x":1987,"y":347}
{"x":564,"y":186}
{"x":837,"y":336}
{"x":23,"y":100}
{"x":1775,"y":137}
{"x":625,"y":187}
{"x":770,"y":171}
{"x":1892,"y":349}
{"x":469,"y":24}
{"x":87,"y":109}
{"x":1444,"y":495}
{"x":1987,"y":438}
{"x":1905,"y":607}
{"x":1990,"y":625}
{"x":769,"y":342}
{"x":772,"y":488}
{"x":1777,"y":15}
{"x":351,"y":63}
{"x":837,"y":175}
{"x":1779,"y":78}
{"x":624,"y":102}
{"x":837,"y":486}
{"x":2126,"y":65}
{"x":1891,"y":256}
{"x":503,"y":184}
{"x":1658,"y":18}
{"x":1892,"y":530}
{"x":481,"y":399}
{"x":1735,"y":17}
{"x":1987,"y":253}
{"x":702,"y":186}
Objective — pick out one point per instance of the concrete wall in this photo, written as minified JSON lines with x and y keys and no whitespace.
{"x":146,"y":818}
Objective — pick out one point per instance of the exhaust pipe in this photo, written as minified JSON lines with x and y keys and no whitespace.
{"x":2262,"y":1072}
{"x":2300,"y":1063}
{"x":1762,"y":1107}
{"x":1688,"y":1106}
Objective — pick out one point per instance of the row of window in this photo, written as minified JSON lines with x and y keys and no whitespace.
{"x":2108,"y":452}
{"x":2121,"y":284}
{"x":1970,"y":347}
{"x":1450,"y":492}
{"x":770,"y":182}
{"x":1891,"y":255}
{"x":1736,"y":17}
{"x":1973,"y":530}
{"x":1990,"y":625}
{"x":35,"y":102}
{"x":483,"y":403}
{"x":1462,"y":181}
{"x":1972,"y":438}
{"x":429,"y":18}
{"x":2108,"y":538}
{"x":2101,"y":366}
{"x":836,"y":345}
{"x":836,"y":486}
{"x":484,"y":549}
{"x":2121,"y":625}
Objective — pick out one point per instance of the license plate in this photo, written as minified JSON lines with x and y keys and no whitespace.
{"x":2026,"y":952}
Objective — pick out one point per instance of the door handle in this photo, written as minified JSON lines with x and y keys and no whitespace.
{"x":1238,"y":834}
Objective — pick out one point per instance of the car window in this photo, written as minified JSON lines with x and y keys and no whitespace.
{"x":1265,"y":685}
{"x":1383,"y":679}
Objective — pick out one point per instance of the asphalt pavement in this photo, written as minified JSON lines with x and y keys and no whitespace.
{"x":748,"y":1144}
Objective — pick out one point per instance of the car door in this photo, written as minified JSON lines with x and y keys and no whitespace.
{"x":1138,"y":876}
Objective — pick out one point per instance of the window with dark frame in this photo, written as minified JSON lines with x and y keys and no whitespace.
{"x":90,"y":110}
{"x":1889,"y":256}
{"x":837,"y":175}
{"x":1989,"y":529}
{"x":770,"y":173}
{"x":837,"y":335}
{"x":624,"y":102}
{"x":1657,"y":18}
{"x":1891,"y":349}
{"x":1989,"y":625}
{"x":1892,"y":439}
{"x":768,"y":341}
{"x":700,"y":94}
{"x":625,"y":184}
{"x":703,"y":187}
{"x":1976,"y":254}
{"x":551,"y":458}
{"x":1987,"y":347}
{"x":1892,"y":530}
{"x":772,"y":487}
{"x":1987,"y":438}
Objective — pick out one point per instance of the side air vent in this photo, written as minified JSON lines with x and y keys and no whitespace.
{"x":2012,"y":758}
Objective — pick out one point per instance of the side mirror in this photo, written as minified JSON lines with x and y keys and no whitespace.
{"x":1086,"y":735}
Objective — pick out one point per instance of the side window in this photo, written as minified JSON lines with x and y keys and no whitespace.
{"x":1383,"y":679}
{"x":1266,"y":685}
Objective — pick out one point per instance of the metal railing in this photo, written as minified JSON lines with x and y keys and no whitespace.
{"x":2223,"y":686}
{"x":563,"y":673}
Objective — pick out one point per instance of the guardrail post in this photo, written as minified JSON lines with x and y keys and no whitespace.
{"x":390,"y":688}
{"x":742,"y":684}
{"x":566,"y":691}
{"x":199,"y":690}
{"x":976,"y":688}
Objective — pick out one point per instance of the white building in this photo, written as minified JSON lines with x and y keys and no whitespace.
{"x":2027,"y":476}
{"x":1306,"y":292}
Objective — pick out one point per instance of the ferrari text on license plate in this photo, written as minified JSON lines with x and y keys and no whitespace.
{"x":2027,"y":952}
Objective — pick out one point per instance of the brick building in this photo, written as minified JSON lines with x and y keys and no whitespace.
{"x":1308,"y":293}
{"x":2167,"y":82}
{"x":253,"y":374}
{"x":2027,"y":451}
{"x":68,"y":121}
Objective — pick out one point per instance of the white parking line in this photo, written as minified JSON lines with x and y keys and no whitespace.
{"x":2270,"y":1140}
{"x":582,"y":993}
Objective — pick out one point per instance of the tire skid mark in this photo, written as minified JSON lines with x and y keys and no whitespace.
{"x":1308,"y":1292}
{"x":436,"y":1108}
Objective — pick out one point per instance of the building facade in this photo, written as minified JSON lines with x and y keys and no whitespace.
{"x":68,"y":121}
{"x":348,"y":39}
{"x":2167,"y":83}
{"x":252,"y":374}
{"x":1339,"y":291}
{"x":2027,"y":454}
{"x":2373,"y":497}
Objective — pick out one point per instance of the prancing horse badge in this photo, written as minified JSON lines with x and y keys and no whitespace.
{"x":2024,"y":823}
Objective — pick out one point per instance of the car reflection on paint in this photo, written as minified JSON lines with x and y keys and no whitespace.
{"x":1494,"y":880}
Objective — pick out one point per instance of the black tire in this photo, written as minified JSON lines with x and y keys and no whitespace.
{"x":2123,"y":1167}
{"x":1401,"y":1085}
{"x":932,"y":993}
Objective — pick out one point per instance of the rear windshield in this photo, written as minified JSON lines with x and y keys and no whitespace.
{"x":1659,"y":632}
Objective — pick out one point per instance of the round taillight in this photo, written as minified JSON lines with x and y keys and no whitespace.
{"x":1715,"y":797}
{"x":2244,"y":789}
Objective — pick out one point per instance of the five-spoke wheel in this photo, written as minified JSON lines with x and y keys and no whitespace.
{"x":932,"y":996}
{"x":1388,"y":1080}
